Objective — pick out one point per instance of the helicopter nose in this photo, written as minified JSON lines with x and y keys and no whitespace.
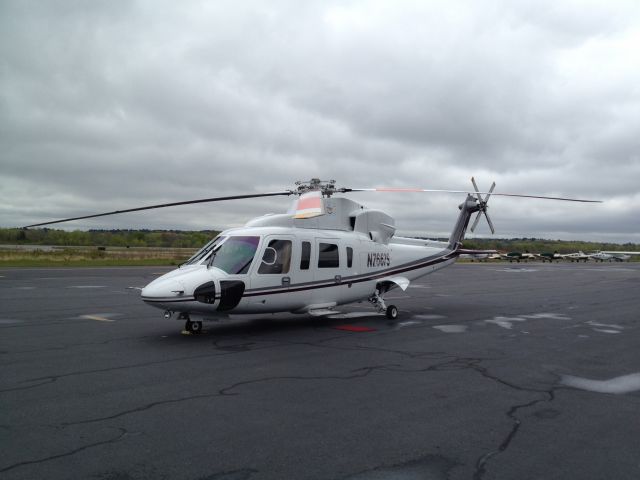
{"x":162,"y":289}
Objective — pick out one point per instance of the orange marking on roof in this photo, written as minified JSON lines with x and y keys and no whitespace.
{"x":305,"y":203}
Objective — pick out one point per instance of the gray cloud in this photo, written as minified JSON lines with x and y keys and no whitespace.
{"x":108,"y":105}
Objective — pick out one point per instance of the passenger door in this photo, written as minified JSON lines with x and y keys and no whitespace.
{"x":274,"y":263}
{"x":329,"y":261}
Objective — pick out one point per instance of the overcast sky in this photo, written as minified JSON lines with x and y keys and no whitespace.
{"x":107,"y":105}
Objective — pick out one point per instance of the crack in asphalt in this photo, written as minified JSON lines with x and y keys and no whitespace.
{"x":53,"y":378}
{"x":225,"y":391}
{"x":511,"y":413}
{"x":375,"y":349}
{"x":482,"y":461}
{"x":242,"y":474}
{"x":139,"y":409}
{"x":223,"y":351}
{"x":462,"y":363}
{"x":123,"y":433}
{"x":76,"y":345}
{"x":450,"y":362}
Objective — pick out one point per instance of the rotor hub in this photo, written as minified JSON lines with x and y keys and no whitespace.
{"x":327,"y":187}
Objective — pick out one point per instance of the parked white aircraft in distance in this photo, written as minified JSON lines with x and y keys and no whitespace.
{"x":577,"y":257}
{"x":550,"y":257}
{"x":612,"y":255}
{"x":517,"y":256}
{"x":473,"y":256}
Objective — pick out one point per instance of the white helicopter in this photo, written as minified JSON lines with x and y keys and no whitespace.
{"x":324,"y":252}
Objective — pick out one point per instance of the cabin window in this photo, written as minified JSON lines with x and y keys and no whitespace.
{"x":349,"y":257}
{"x":235,"y":255}
{"x":276,"y":257}
{"x":328,"y":256}
{"x":305,"y":256}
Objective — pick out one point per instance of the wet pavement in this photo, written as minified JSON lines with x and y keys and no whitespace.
{"x":492,"y":371}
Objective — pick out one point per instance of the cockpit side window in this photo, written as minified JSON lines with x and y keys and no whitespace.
{"x":276,"y":257}
{"x":235,"y":255}
{"x":205,"y":251}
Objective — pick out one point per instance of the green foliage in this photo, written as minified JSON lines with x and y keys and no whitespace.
{"x":537,"y":245}
{"x":196,"y":239}
{"x":108,"y":238}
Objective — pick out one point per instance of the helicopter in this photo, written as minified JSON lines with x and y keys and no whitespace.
{"x":325,"y":251}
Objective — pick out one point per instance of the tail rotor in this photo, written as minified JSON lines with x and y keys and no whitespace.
{"x":482,"y":206}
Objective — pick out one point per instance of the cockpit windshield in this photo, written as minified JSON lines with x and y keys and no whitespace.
{"x":235,"y":255}
{"x":205,"y":251}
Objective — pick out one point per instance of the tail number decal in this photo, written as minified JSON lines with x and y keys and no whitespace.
{"x":378,"y":260}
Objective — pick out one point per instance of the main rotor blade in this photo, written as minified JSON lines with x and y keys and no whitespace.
{"x":163,"y":205}
{"x":465,"y":191}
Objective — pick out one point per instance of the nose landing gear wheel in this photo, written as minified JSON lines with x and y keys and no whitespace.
{"x":392,"y":312}
{"x":193,"y":327}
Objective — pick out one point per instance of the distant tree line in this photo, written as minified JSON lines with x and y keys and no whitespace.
{"x":194,"y":239}
{"x":106,"y":238}
{"x":537,"y":245}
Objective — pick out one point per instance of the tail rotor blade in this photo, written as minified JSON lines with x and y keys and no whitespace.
{"x":493,"y":230}
{"x":493,"y":185}
{"x":475,"y":222}
{"x":475,"y":186}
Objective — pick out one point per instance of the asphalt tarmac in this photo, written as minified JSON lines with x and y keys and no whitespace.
{"x":492,"y":371}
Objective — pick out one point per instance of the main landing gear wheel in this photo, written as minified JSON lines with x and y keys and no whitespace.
{"x":193,"y":327}
{"x":392,"y":312}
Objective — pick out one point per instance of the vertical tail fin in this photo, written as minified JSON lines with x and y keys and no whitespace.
{"x":470,"y":206}
{"x":467,"y":208}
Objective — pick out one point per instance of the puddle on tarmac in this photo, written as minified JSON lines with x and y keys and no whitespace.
{"x":451,"y":328}
{"x":408,"y":323}
{"x":611,"y":328}
{"x":429,"y":317}
{"x":507,"y":322}
{"x":431,"y":467}
{"x":617,"y":385}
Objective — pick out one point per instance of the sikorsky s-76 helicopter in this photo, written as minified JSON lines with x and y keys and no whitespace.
{"x":324,"y":252}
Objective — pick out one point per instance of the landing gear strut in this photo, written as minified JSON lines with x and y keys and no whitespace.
{"x":391,"y":311}
{"x":190,"y":326}
{"x":193,"y":327}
